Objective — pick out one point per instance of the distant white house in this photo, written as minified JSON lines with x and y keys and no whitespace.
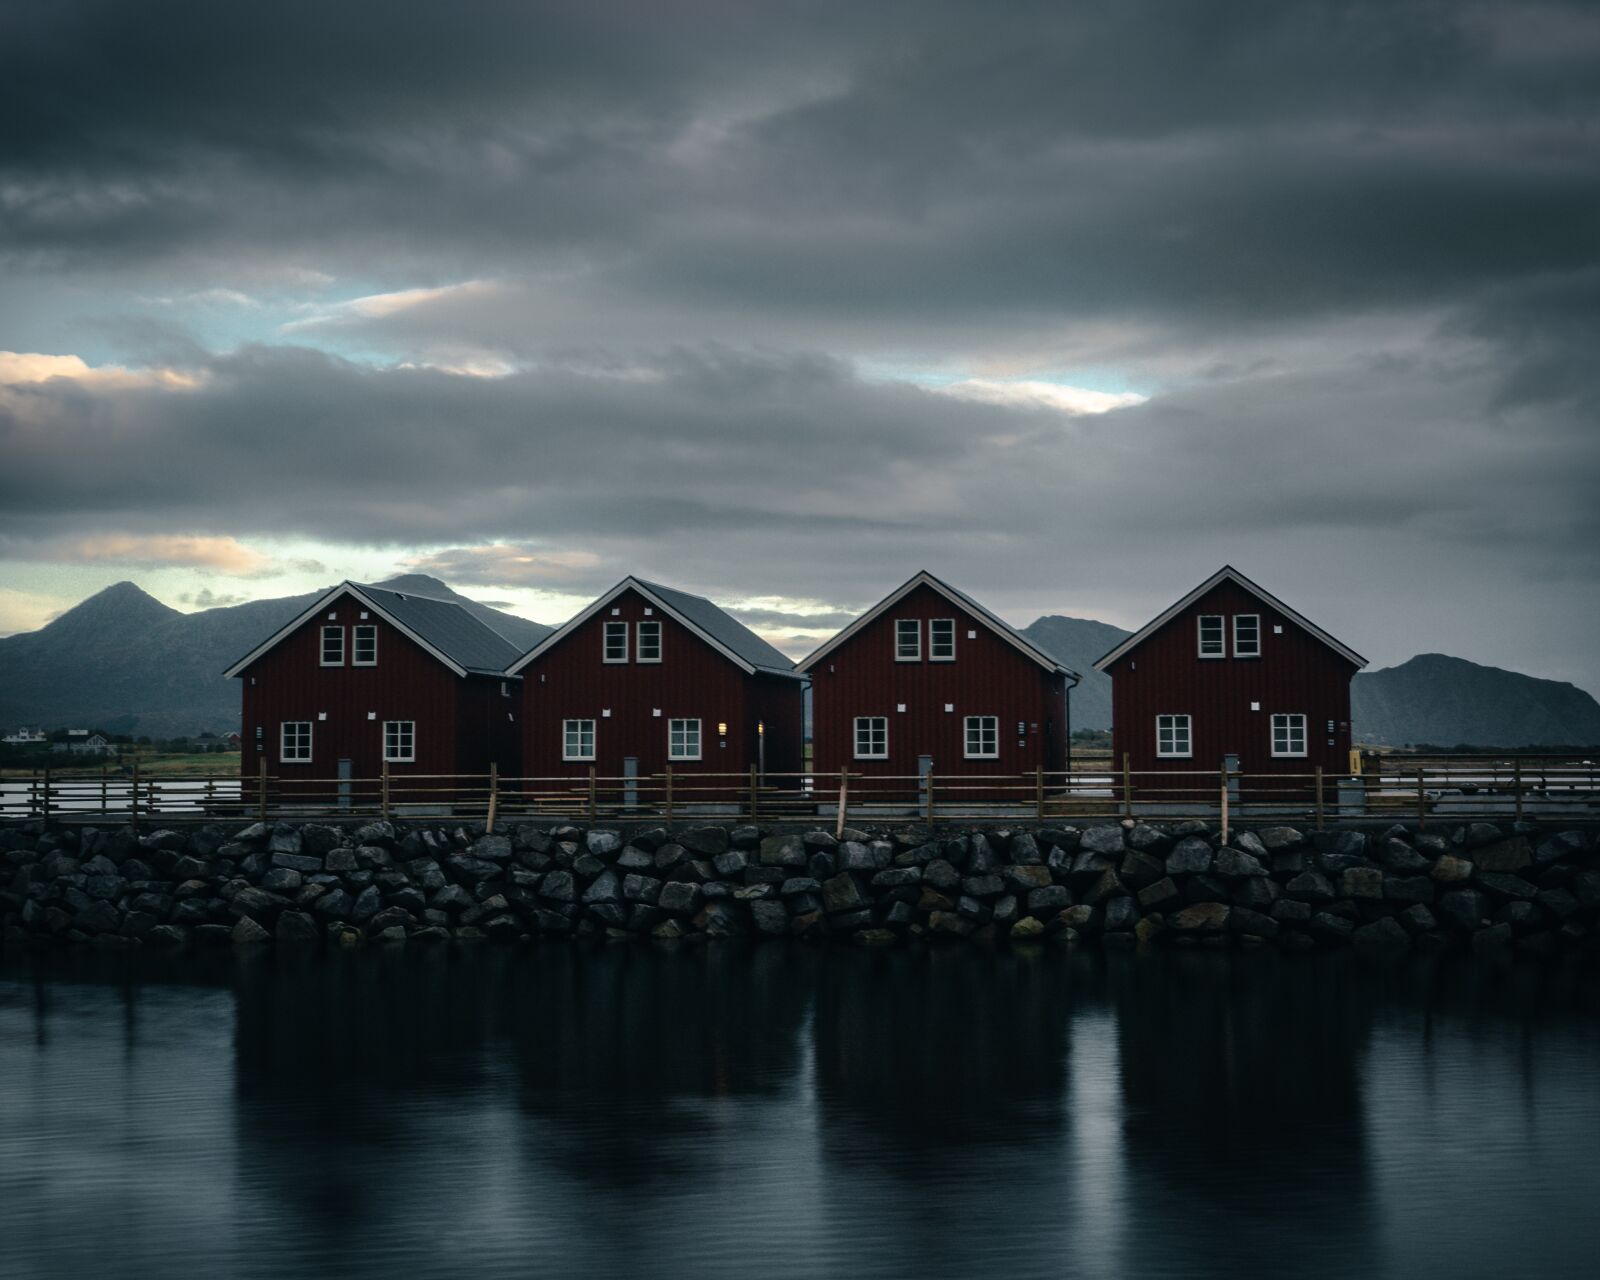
{"x":23,"y":737}
{"x":83,"y":743}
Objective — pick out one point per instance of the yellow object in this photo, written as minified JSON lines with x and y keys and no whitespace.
{"x":1355,"y":763}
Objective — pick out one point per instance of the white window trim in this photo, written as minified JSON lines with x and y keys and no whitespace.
{"x":1188,"y":733}
{"x":408,"y":759}
{"x":322,"y":645}
{"x":967,"y":753}
{"x":1200,"y":633}
{"x":699,"y":740}
{"x":355,"y":647}
{"x":855,"y":739}
{"x":283,"y":742}
{"x":1236,"y":652}
{"x":1305,"y":735}
{"x":638,"y":641}
{"x":935,"y":657}
{"x":605,"y":643}
{"x":593,"y":739}
{"x":900,"y":657}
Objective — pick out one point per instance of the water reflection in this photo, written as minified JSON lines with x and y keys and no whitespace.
{"x":711,"y":1111}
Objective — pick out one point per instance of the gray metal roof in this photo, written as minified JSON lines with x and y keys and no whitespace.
{"x":723,"y":628}
{"x":448,"y":628}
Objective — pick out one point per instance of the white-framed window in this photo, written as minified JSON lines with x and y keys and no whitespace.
{"x":649,"y":641}
{"x":577,"y":739}
{"x":1247,"y":635}
{"x":294,"y":742}
{"x":1289,"y":734}
{"x":1212,"y":644}
{"x":400,"y":741}
{"x":908,"y":640}
{"x":615,"y":648}
{"x":872,"y":737}
{"x":683,"y":739}
{"x":364,"y":645}
{"x":942,"y":640}
{"x":1174,"y":737}
{"x":333,"y":646}
{"x":983,"y":737}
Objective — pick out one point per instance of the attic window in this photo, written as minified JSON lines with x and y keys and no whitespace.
{"x":942,"y":640}
{"x":908,"y":640}
{"x":365,"y":646}
{"x":616,"y":642}
{"x":1247,"y":635}
{"x":648,"y":636}
{"x":333,"y":646}
{"x":1212,"y":644}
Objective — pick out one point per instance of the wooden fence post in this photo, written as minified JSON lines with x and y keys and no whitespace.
{"x":1319,"y":797}
{"x":494,"y":795}
{"x":383,"y":791}
{"x":1038,"y":795}
{"x":755,"y":795}
{"x":261,"y":790}
{"x":133,"y":805}
{"x":1224,"y":805}
{"x":928,"y":797}
{"x":668,"y":806}
{"x":104,"y":801}
{"x":1516,"y":784}
{"x":1422,"y":803}
{"x":594,"y":795}
{"x":45,"y":807}
{"x":844,"y":795}
{"x":1127,"y":785}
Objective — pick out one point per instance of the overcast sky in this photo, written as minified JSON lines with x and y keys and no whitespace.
{"x":1069,"y":303}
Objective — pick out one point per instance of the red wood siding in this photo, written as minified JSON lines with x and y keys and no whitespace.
{"x":288,"y":682}
{"x":692,"y":681}
{"x":988,"y":677}
{"x":1296,"y":672}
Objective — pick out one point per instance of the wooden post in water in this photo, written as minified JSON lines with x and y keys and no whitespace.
{"x":1127,"y":785}
{"x":494,"y":795}
{"x":755,"y":795}
{"x":844,"y":795}
{"x":261,"y":790}
{"x":1319,"y":797}
{"x":668,"y":805}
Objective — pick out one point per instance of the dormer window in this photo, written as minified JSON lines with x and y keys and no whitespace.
{"x":1212,"y":644}
{"x":333,"y":646}
{"x":649,"y":641}
{"x":908,"y":640}
{"x":364,"y":645}
{"x":1247,"y":635}
{"x":616,"y":642}
{"x":942,"y":640}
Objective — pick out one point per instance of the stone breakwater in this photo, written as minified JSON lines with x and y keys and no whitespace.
{"x":1481,"y":885}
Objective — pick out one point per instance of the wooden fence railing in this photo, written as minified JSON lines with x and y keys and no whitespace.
{"x":1461,"y":788}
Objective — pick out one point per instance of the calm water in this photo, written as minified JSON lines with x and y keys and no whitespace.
{"x":775,"y":1113}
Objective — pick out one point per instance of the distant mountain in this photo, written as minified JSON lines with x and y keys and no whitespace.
{"x":125,"y":662}
{"x":1078,"y":642}
{"x":1449,"y":701}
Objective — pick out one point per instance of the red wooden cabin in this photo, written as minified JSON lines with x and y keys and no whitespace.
{"x":928,"y":679}
{"x":368,"y":679}
{"x":1232,"y":674}
{"x":647,"y":677}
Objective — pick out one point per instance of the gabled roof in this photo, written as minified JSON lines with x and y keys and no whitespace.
{"x":961,"y":600}
{"x":1229,"y":574}
{"x":724,"y":633}
{"x":442,"y":627}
